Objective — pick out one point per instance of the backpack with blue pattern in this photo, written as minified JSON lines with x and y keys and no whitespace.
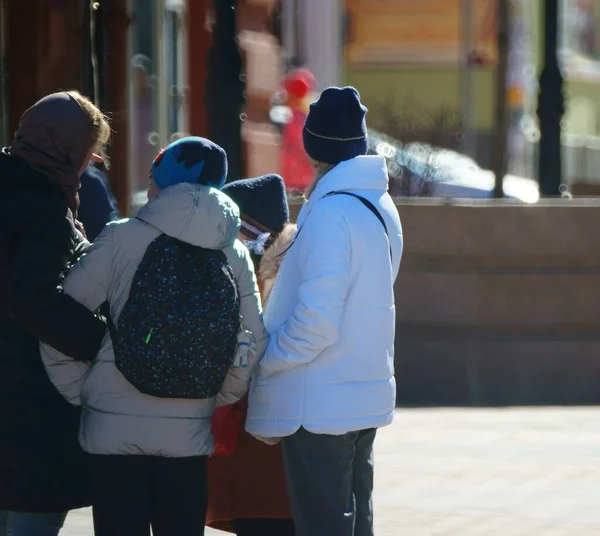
{"x":176,"y":335}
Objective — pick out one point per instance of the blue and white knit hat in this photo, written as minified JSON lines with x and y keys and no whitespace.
{"x":191,"y":159}
{"x":335,"y":129}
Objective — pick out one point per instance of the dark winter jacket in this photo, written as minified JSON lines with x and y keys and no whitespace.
{"x":96,"y":204}
{"x":42,"y":468}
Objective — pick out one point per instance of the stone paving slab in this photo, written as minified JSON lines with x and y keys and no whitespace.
{"x":471,"y":472}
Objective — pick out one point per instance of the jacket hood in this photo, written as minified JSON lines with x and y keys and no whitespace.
{"x":199,"y":215}
{"x":360,"y":173}
{"x":54,"y":137}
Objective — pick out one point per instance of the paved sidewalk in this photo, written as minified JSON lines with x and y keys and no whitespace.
{"x":507,"y":472}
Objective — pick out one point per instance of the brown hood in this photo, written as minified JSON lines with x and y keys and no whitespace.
{"x":54,"y":137}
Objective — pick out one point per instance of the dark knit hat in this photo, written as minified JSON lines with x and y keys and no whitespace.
{"x":335,"y":128}
{"x":191,"y":159}
{"x":263,"y":208}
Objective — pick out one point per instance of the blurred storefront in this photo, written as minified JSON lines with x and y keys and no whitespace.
{"x":431,"y":64}
{"x":156,"y":67}
{"x":157,"y":82}
{"x":201,"y":67}
{"x":399,"y":54}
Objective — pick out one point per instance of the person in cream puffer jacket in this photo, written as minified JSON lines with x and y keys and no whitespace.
{"x":122,"y":426}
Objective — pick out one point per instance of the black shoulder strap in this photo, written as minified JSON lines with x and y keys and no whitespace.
{"x":371,"y":207}
{"x":365,"y":202}
{"x":291,"y":243}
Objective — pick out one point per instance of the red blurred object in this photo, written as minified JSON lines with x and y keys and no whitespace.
{"x":227,"y":423}
{"x":299,"y":83}
{"x":296,"y":167}
{"x":296,"y":88}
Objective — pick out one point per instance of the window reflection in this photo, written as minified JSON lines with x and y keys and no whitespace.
{"x":157,"y":83}
{"x":144,"y":138}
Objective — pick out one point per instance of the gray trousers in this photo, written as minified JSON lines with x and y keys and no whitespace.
{"x":330,"y":482}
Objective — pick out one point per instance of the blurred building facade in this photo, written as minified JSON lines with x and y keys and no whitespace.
{"x":156,"y":67}
{"x":163,"y":68}
{"x":429,"y":56}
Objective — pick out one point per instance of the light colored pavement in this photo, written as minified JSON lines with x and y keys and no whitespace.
{"x":508,"y":472}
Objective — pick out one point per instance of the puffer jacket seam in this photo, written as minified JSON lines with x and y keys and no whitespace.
{"x":190,"y":214}
{"x":87,"y":407}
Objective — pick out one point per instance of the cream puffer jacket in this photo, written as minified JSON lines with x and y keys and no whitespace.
{"x":116,"y":417}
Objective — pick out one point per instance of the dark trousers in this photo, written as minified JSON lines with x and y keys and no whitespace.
{"x":131,"y":493}
{"x":330,"y":482}
{"x":30,"y":524}
{"x":263,"y":527}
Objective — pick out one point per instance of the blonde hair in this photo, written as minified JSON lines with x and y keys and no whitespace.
{"x":98,"y":122}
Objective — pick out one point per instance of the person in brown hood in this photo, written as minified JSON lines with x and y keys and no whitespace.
{"x":43,"y":472}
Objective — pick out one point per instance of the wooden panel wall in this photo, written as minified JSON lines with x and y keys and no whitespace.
{"x":407,"y":31}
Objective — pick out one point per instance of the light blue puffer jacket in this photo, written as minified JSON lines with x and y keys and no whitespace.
{"x":329,"y":365}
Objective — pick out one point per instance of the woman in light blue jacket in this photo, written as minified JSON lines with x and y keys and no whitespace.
{"x":326,"y":381}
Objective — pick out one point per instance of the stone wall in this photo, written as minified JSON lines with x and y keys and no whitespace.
{"x":498,"y":303}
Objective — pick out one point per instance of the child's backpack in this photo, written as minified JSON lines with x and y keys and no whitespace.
{"x":177,"y":334}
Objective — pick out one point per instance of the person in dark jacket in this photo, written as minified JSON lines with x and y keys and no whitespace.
{"x":96,"y":204}
{"x":43,"y":472}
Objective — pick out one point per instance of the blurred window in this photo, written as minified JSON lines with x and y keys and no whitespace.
{"x":157,"y":84}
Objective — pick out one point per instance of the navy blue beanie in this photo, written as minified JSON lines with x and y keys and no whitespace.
{"x":263,"y":205}
{"x":335,"y":128}
{"x":191,"y":159}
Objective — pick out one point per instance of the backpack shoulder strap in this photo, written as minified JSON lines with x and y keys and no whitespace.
{"x":104,"y":310}
{"x":370,"y":206}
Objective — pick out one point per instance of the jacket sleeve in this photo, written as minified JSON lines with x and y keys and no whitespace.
{"x":89,"y":280}
{"x":237,"y":380}
{"x":36,"y":299}
{"x":324,"y":255}
{"x":88,"y":283}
